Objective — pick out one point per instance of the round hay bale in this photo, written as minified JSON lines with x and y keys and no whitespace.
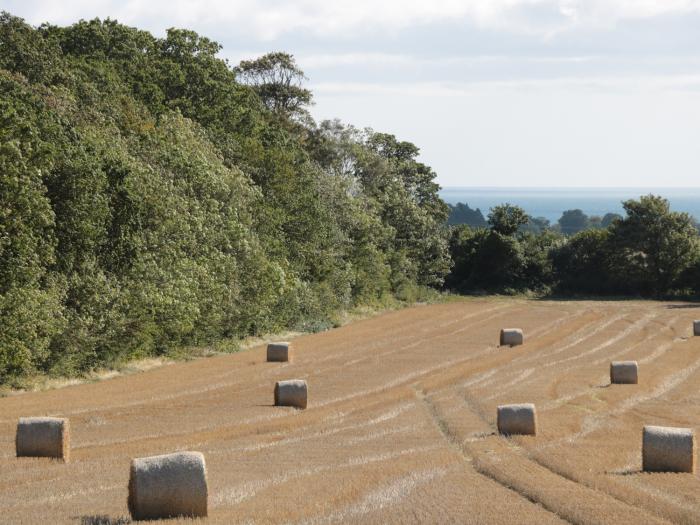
{"x":511,"y":337}
{"x":624,"y":372}
{"x":168,"y":486}
{"x":279,"y":352}
{"x":517,"y":419}
{"x":668,"y":449}
{"x":43,"y":437}
{"x":291,"y":393}
{"x":696,"y":327}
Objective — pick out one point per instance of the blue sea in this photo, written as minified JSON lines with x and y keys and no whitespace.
{"x":551,"y":202}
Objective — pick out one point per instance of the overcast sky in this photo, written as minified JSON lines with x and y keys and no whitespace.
{"x":494,"y":92}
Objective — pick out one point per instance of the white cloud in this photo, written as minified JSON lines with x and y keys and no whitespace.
{"x":326,"y":60}
{"x":619,"y":9}
{"x":610,"y":84}
{"x":267,"y":20}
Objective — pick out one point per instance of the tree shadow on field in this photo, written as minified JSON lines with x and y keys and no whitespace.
{"x":103,"y":520}
{"x":681,"y":306}
{"x":693,"y":301}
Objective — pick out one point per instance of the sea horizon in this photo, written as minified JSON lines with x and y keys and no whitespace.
{"x":551,"y":201}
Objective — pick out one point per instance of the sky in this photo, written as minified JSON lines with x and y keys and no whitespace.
{"x":494,"y":92}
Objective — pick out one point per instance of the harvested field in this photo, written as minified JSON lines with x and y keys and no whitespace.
{"x":400,"y":425}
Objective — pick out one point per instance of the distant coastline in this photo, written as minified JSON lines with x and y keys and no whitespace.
{"x":551,"y":202}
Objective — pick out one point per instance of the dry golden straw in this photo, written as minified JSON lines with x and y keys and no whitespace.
{"x":624,"y":372}
{"x":517,"y":419}
{"x":511,"y":336}
{"x":279,"y":352}
{"x":168,"y":486}
{"x":291,"y":393}
{"x":668,"y":449}
{"x":43,"y":437}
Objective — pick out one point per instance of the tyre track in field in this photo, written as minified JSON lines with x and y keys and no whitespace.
{"x":593,"y":423}
{"x":239,"y":493}
{"x":457,"y":442}
{"x":495,"y":362}
{"x":604,"y":378}
{"x":578,"y":337}
{"x":639,"y":325}
{"x":589,"y":501}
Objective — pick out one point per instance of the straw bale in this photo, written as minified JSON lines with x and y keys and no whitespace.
{"x":292,"y":393}
{"x":279,"y":352}
{"x":517,"y":419}
{"x":668,"y":449}
{"x":624,"y":372}
{"x":511,"y":336}
{"x":43,"y":437}
{"x":168,"y":486}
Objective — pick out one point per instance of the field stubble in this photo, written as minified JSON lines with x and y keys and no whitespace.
{"x":400,"y":425}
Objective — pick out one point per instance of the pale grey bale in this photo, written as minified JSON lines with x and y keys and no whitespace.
{"x":291,"y":393}
{"x":668,"y":449}
{"x":168,"y":486}
{"x":511,"y":336}
{"x":279,"y":352}
{"x":517,"y":419}
{"x":43,"y":437}
{"x":624,"y":372}
{"x":696,"y":327}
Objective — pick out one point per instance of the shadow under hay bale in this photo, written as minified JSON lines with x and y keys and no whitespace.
{"x":668,"y":449}
{"x":511,"y":337}
{"x":99,"y":519}
{"x":291,"y":393}
{"x":279,"y":352}
{"x":624,"y":372}
{"x":628,"y":471}
{"x":696,"y":327}
{"x":517,"y":419}
{"x":168,"y":486}
{"x":43,"y":437}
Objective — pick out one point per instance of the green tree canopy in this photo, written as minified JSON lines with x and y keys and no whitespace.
{"x":652,"y":246}
{"x":506,"y":218}
{"x":278,"y":81}
{"x":461,"y":213}
{"x":573,"y":221}
{"x":609,"y":218}
{"x":581,"y":265}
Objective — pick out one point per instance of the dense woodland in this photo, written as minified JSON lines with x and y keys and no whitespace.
{"x":650,"y":252}
{"x":153,"y":196}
